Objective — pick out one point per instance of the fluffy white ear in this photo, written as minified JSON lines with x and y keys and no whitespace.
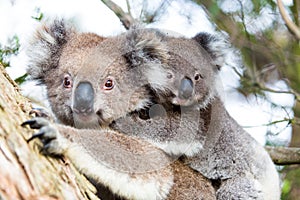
{"x":217,"y":46}
{"x":44,"y":49}
{"x":148,"y":53}
{"x":144,"y":46}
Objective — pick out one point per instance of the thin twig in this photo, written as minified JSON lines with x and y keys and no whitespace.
{"x":126,"y":19}
{"x":128,"y":7}
{"x":275,"y":91}
{"x":291,"y":91}
{"x":235,"y":70}
{"x":150,"y":18}
{"x":271,"y":123}
{"x":289,"y":23}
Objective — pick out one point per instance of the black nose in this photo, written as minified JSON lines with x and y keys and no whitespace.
{"x":83,"y":98}
{"x":186,"y":88}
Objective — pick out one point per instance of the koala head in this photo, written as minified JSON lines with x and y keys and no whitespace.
{"x":55,"y":50}
{"x":189,"y":72}
{"x":92,"y":80}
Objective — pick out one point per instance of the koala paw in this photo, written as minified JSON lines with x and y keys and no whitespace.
{"x":53,"y":142}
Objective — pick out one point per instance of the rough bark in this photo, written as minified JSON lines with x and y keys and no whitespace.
{"x":24,"y":172}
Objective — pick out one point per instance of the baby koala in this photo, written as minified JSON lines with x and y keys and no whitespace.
{"x":91,"y":81}
{"x":218,"y":147}
{"x":174,"y":81}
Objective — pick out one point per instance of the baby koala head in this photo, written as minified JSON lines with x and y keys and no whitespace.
{"x":189,"y":75}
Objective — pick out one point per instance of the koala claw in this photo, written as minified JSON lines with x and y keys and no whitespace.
{"x":36,"y":123}
{"x":48,"y":134}
{"x":37,"y":135}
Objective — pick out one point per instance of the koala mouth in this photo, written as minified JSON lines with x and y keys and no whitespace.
{"x":101,"y":119}
{"x":87,"y":119}
{"x":90,"y":119}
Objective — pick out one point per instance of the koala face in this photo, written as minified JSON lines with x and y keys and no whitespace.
{"x":55,"y":54}
{"x":60,"y":85}
{"x":91,"y":80}
{"x":189,"y":72}
{"x":193,"y":74}
{"x":106,"y":87}
{"x":114,"y":74}
{"x":101,"y":88}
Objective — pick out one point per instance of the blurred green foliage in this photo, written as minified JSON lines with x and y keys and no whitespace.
{"x":13,"y":46}
{"x":286,"y":188}
{"x":291,"y":183}
{"x":38,"y":14}
{"x":6,"y":51}
{"x":271,"y":45}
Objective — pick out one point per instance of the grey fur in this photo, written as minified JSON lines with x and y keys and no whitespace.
{"x":121,"y":163}
{"x":224,"y":151}
{"x":85,"y":57}
{"x":212,"y":141}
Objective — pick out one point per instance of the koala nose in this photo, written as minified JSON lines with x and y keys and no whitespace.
{"x":186,"y":88}
{"x":83,"y":98}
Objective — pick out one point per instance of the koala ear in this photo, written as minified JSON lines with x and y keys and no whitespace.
{"x":146,"y":46}
{"x":216,"y":45}
{"x":45,"y":48}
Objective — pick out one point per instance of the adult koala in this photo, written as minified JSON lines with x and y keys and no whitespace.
{"x":89,"y":84}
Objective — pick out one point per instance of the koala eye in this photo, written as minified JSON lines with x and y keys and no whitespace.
{"x":67,"y":82}
{"x":169,"y":75}
{"x":109,"y":84}
{"x":197,"y":77}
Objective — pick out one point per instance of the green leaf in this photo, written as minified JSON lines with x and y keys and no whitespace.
{"x":21,"y":79}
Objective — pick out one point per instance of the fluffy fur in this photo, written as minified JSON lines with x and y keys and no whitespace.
{"x":225,"y":152}
{"x":117,"y":161}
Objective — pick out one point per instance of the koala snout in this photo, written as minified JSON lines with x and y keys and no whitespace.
{"x":186,"y":88}
{"x":83,"y":98}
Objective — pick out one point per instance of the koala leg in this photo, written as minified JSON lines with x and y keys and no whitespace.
{"x":240,"y":188}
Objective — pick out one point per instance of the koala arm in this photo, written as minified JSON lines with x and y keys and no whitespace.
{"x":116,"y":171}
{"x":115,"y":161}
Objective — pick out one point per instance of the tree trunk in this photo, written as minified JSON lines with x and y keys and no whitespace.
{"x":24,"y":172}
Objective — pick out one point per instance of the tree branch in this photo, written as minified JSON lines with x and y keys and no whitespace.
{"x":126,"y":19}
{"x":284,"y":155}
{"x":289,"y":23}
